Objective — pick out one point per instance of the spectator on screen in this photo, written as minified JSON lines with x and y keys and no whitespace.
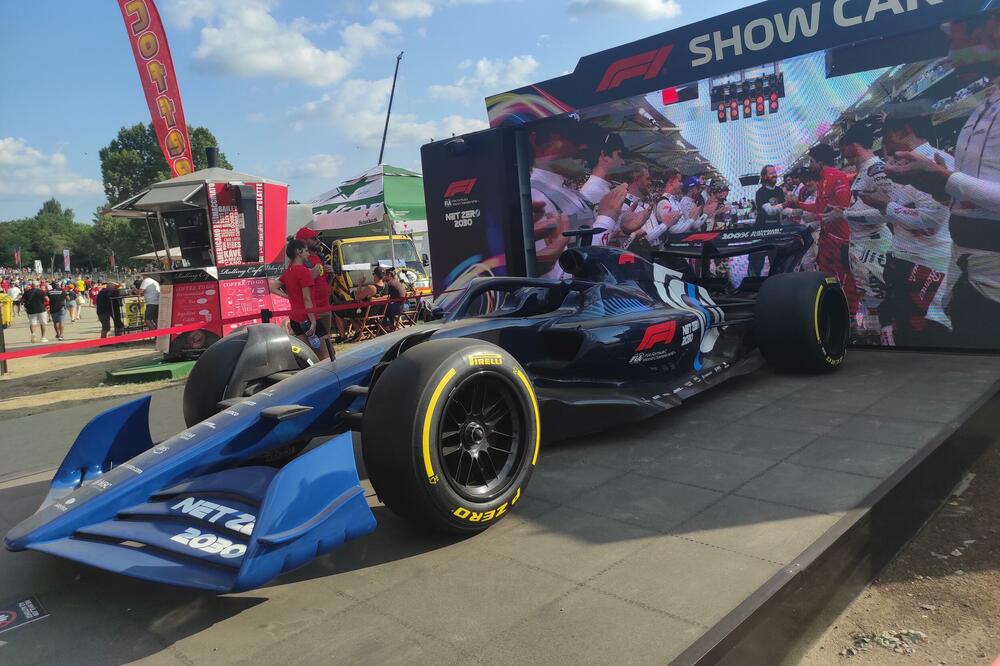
{"x":913,"y":310}
{"x":769,"y":198}
{"x":973,"y":184}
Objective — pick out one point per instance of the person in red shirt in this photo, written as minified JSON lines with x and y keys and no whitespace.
{"x":321,"y":272}
{"x":833,"y":194}
{"x":296,"y":284}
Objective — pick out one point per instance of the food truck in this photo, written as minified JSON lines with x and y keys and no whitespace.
{"x":222,"y":234}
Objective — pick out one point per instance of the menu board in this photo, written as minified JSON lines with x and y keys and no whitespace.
{"x":246,"y":296}
{"x":227,"y":221}
{"x":196,"y":302}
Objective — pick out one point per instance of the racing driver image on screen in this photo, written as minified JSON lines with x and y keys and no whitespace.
{"x":557,"y":207}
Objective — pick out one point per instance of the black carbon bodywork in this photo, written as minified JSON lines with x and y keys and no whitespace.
{"x":623,"y":338}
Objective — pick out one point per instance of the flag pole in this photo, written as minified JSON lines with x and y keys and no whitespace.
{"x":392,"y":93}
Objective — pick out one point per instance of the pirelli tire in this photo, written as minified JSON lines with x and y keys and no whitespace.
{"x":802,"y":322}
{"x":450,"y":434}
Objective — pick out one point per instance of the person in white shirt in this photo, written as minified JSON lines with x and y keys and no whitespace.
{"x":634,"y":211}
{"x":555,"y":206}
{"x":870,"y":236}
{"x":972,"y":298}
{"x":689,"y":206}
{"x":666,"y":211}
{"x":149,"y":289}
{"x":15,"y":295}
{"x":913,"y":310}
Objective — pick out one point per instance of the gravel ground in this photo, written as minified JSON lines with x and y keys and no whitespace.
{"x":938,"y":601}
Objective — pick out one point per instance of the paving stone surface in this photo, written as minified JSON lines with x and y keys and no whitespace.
{"x":626,"y":547}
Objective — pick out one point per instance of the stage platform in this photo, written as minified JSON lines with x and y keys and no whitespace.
{"x":728,"y":530}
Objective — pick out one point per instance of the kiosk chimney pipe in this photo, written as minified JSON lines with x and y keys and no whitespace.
{"x":212,"y":154}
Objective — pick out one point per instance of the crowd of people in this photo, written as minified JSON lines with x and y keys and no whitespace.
{"x":637,"y":213}
{"x":908,"y":229}
{"x":51,"y":303}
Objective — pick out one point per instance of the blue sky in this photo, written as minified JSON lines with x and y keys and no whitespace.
{"x":294,"y":90}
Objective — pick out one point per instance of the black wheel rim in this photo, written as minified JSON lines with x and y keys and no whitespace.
{"x":480,"y":436}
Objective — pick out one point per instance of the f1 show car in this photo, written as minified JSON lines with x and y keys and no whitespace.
{"x":450,"y":413}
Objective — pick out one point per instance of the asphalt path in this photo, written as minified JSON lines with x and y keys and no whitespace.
{"x":33,"y":444}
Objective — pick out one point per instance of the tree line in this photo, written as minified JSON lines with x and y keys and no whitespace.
{"x":130,"y":163}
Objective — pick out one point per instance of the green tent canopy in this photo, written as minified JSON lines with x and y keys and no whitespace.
{"x":380,"y":201}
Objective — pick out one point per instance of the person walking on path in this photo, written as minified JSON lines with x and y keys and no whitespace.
{"x":34,"y":301}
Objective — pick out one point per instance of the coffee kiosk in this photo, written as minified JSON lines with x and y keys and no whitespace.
{"x":229,"y":230}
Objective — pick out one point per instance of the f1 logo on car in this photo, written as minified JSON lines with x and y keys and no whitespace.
{"x":657,"y":334}
{"x":647,"y":65}
{"x":460,"y":187}
{"x":711,"y":235}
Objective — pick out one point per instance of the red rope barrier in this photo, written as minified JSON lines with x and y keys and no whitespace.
{"x":155,"y":333}
{"x":99,"y":342}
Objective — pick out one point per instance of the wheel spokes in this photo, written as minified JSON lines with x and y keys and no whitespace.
{"x":478,"y":458}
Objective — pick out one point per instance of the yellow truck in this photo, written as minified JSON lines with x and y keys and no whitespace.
{"x":354,"y":258}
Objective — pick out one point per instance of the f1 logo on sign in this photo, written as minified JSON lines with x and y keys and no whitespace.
{"x":658,"y":334}
{"x":460,"y":187}
{"x":647,"y":65}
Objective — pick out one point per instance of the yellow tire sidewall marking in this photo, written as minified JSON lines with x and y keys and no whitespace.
{"x":428,"y":418}
{"x":819,"y":294}
{"x":534,"y":406}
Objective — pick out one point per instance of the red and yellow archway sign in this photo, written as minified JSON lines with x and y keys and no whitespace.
{"x":156,"y":71}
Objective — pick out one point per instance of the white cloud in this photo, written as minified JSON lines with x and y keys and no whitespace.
{"x":242,"y":38}
{"x":403,"y":9}
{"x":320,"y":165}
{"x":415,"y":9}
{"x":357,"y":110}
{"x":487,"y":77}
{"x":28,"y":172}
{"x":650,"y":9}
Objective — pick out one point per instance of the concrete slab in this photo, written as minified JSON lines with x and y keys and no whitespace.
{"x":768,"y":442}
{"x":645,"y":501}
{"x":888,"y":430}
{"x":626,"y":547}
{"x":571,"y":544}
{"x":856,"y":457}
{"x":441,"y":602}
{"x":589,"y":627}
{"x":714,"y":470}
{"x":809,"y":488}
{"x":756,"y":528}
{"x":689,"y":580}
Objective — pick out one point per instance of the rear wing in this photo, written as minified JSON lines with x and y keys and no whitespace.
{"x":784,"y":245}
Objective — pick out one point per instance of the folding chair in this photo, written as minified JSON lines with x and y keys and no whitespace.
{"x":408,"y":316}
{"x":371,"y":318}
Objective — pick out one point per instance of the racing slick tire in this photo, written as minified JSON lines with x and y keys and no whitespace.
{"x":802,"y":322}
{"x":450,"y":434}
{"x":236,"y":363}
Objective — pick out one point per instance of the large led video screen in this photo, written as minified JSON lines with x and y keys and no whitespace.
{"x":822,"y":140}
